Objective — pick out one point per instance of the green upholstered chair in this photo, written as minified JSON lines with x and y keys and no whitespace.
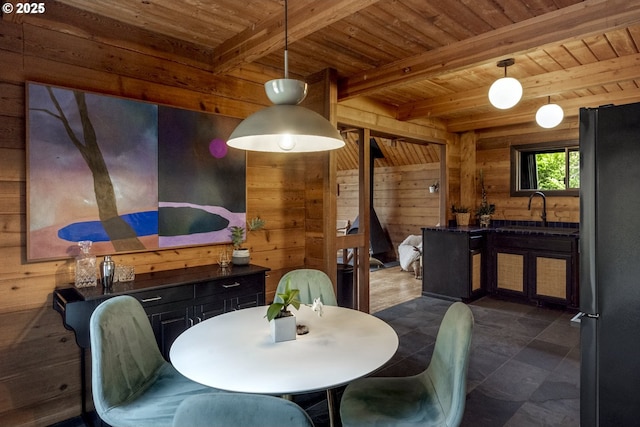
{"x":435,"y":397}
{"x":311,"y":283}
{"x":132,"y":384}
{"x":238,"y":409}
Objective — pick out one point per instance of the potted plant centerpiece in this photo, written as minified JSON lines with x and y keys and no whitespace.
{"x":283,"y":322}
{"x":240,"y":255}
{"x":462,"y":215}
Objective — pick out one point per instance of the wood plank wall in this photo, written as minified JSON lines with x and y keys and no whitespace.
{"x":401,"y":198}
{"x":493,"y":157}
{"x":40,"y":368}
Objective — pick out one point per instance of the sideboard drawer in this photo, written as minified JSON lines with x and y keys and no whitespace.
{"x":232,"y":285}
{"x":164,"y":295}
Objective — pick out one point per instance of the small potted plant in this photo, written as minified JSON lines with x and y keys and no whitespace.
{"x":283,"y":322}
{"x":462,"y":214}
{"x":240,"y":255}
{"x":484,"y":213}
{"x":485,"y":210}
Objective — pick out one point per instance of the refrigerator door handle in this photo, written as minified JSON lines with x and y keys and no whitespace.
{"x":580,"y":315}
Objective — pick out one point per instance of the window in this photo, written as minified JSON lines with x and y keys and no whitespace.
{"x":553,"y":168}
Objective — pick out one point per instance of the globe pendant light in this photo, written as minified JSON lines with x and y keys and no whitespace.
{"x":549,"y":115}
{"x":286,"y":127}
{"x":506,"y":92}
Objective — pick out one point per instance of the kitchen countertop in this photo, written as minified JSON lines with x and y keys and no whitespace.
{"x":516,"y":227}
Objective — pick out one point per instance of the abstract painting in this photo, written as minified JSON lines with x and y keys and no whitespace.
{"x":127,"y":175}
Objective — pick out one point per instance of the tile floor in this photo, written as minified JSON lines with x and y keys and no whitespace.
{"x":524,"y":368}
{"x":523,"y":372}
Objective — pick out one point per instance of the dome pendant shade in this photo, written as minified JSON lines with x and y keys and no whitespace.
{"x":505,"y":93}
{"x":286,"y":129}
{"x":549,"y":116}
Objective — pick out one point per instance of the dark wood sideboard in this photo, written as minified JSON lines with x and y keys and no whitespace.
{"x":174,"y":300}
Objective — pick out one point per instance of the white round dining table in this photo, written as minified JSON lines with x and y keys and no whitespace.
{"x":235,"y":352}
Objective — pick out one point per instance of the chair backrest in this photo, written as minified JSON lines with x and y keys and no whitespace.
{"x":124,"y":353}
{"x":342,"y":226}
{"x":237,"y":409}
{"x":450,"y":361}
{"x":311,"y":283}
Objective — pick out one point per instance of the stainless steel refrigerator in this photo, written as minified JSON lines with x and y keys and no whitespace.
{"x":610,"y":266}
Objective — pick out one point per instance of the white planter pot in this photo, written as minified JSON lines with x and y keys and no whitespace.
{"x":283,"y":329}
{"x":240,"y":256}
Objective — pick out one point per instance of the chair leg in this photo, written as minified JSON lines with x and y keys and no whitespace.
{"x":331,"y":406}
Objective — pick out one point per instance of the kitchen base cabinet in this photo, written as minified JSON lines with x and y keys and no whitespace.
{"x":510,"y":272}
{"x":453,"y":263}
{"x":541,"y":269}
{"x":552,"y":276}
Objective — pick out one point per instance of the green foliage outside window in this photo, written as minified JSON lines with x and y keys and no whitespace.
{"x":552,"y":169}
{"x":574,"y":169}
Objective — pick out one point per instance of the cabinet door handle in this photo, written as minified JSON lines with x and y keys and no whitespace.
{"x":233,"y":285}
{"x":190,"y":322}
{"x":158,"y":298}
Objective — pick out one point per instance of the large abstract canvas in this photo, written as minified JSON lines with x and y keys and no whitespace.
{"x":201,"y":179}
{"x":127,"y":175}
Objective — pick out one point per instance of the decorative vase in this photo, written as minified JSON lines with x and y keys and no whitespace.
{"x":86,"y":266}
{"x":462,"y":218}
{"x":240,"y":257}
{"x":485,"y":220}
{"x":283,"y":328}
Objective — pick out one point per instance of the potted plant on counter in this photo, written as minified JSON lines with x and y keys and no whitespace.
{"x":485,"y":210}
{"x":484,"y":213}
{"x":462,"y":214}
{"x":283,"y":322}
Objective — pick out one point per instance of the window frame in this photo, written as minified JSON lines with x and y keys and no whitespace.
{"x":516,"y":153}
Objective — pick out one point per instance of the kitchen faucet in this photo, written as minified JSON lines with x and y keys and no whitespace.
{"x":544,"y":206}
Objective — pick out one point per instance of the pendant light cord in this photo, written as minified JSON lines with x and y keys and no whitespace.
{"x":286,"y":42}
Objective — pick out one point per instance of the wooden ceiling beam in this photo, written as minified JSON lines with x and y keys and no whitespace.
{"x":581,"y":77}
{"x":526,"y":114}
{"x":268,"y":36}
{"x":569,"y":23}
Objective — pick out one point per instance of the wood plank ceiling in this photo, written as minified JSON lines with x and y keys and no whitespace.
{"x":423,"y":58}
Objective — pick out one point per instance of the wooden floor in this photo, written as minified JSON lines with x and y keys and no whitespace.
{"x":392,"y":286}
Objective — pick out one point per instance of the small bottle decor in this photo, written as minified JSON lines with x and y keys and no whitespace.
{"x":86,"y":266}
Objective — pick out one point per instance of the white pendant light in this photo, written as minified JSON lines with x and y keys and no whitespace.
{"x":286,"y":127}
{"x":506,"y":92}
{"x":549,"y":115}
